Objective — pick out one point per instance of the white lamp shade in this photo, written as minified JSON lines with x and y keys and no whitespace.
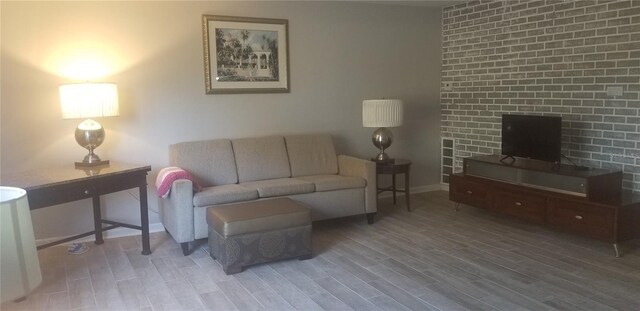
{"x":89,"y":100}
{"x":18,"y":255}
{"x":382,"y":112}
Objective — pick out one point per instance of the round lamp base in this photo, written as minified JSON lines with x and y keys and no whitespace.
{"x":382,"y":139}
{"x":90,"y":134}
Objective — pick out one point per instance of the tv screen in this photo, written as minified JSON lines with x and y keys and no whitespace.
{"x":534,"y":137}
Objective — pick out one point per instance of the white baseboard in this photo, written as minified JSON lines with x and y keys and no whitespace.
{"x":444,"y":187}
{"x":419,"y":189}
{"x":157,"y":227}
{"x":110,"y":234}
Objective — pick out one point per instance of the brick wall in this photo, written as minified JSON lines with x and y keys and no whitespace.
{"x":545,"y":57}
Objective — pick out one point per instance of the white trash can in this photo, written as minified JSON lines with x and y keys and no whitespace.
{"x":19,"y":264}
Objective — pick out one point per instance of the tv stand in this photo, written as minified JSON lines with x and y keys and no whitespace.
{"x":588,"y":203}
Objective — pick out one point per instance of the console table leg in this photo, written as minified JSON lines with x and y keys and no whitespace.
{"x":407,"y":190}
{"x":144,"y":220}
{"x":97,"y":219}
{"x":457,"y":207}
{"x":616,"y":250}
{"x":393,"y":183}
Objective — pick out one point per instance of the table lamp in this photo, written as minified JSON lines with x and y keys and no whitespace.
{"x":382,"y":113}
{"x":89,"y":100}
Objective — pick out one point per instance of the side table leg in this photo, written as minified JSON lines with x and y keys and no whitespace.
{"x":144,"y":220}
{"x":407,"y":191}
{"x":97,"y":219}
{"x":393,"y":183}
{"x":616,"y":250}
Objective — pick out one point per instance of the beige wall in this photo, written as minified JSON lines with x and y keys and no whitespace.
{"x":340,"y":54}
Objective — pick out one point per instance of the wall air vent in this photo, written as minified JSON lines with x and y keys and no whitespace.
{"x":447,"y":159}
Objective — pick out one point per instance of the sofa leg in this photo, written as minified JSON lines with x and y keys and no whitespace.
{"x":189,"y":247}
{"x":184,"y":245}
{"x":185,"y":249}
{"x":371,"y":218}
{"x":305,"y":257}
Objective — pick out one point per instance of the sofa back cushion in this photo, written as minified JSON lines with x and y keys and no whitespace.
{"x":211,"y":162}
{"x":312,"y":155}
{"x":261,"y":158}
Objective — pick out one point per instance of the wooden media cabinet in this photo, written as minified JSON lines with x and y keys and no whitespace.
{"x":587,"y":202}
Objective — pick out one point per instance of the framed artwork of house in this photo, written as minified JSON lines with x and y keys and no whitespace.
{"x":245,"y":55}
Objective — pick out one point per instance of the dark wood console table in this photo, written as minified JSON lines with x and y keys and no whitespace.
{"x":49,"y":187}
{"x":589,"y":203}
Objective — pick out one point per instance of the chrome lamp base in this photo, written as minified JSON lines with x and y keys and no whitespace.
{"x":90,"y":134}
{"x":91,"y":160}
{"x":84,"y":165}
{"x":382,"y":139}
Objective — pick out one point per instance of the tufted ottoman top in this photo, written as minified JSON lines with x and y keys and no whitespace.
{"x":257,"y":216}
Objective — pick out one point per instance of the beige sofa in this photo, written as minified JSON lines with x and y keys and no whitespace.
{"x":304,"y":168}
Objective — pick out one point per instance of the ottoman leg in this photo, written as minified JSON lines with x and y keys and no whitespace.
{"x":233,"y":269}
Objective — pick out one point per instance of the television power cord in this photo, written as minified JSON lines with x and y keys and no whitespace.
{"x":575,"y":166}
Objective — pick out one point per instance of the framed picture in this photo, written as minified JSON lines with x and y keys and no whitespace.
{"x":245,"y":55}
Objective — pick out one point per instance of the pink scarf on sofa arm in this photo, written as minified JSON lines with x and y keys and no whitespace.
{"x":168,"y":175}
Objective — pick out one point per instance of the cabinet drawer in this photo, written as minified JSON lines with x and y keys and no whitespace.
{"x":582,"y":218}
{"x":469,"y":192}
{"x":521,"y":205}
{"x":120,"y":182}
{"x":58,"y":194}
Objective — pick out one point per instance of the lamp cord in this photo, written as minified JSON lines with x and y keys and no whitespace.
{"x":571,"y":161}
{"x":576,"y":166}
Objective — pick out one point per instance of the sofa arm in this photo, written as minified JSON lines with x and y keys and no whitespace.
{"x":176,"y":211}
{"x":351,"y":166}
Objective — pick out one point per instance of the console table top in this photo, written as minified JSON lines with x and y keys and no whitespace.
{"x":34,"y":179}
{"x":542,"y":166}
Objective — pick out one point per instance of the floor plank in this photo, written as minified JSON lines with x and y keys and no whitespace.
{"x":432,"y":258}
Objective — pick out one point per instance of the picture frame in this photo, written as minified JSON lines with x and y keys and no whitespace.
{"x":245,"y":54}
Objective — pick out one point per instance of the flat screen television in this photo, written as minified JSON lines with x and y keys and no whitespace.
{"x":534,"y":137}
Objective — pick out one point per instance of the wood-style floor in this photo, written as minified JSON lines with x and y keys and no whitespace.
{"x":432,"y":258}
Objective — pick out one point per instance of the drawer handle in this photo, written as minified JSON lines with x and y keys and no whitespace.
{"x":518,"y":203}
{"x":86,"y":192}
{"x":469,"y":192}
{"x":578,"y":217}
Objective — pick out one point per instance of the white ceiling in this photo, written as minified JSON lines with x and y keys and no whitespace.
{"x":415,"y":3}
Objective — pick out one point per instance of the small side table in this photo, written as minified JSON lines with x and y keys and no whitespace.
{"x":399,"y":166}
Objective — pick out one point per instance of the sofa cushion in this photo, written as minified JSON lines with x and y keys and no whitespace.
{"x":334,"y":182}
{"x":211,"y":162}
{"x":258,"y":216}
{"x":279,"y":187}
{"x":311,"y":155}
{"x":224,"y":194}
{"x":261,"y":158}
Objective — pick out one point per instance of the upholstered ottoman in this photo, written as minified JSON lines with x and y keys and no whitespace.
{"x":254,"y":232}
